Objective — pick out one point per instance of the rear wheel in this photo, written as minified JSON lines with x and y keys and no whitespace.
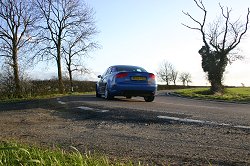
{"x":149,"y":98}
{"x":107,"y":94}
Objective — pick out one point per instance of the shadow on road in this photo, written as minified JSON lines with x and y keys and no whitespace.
{"x":70,"y":110}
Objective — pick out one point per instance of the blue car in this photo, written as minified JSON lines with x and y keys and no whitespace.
{"x":128,"y":81}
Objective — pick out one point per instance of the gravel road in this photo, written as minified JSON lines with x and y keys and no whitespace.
{"x":170,"y":130}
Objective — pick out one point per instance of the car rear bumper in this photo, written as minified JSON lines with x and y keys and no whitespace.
{"x":133,"y":90}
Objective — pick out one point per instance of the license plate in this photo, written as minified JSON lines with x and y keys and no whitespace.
{"x":138,"y":78}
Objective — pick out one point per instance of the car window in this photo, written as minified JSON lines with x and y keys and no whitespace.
{"x":130,"y":69}
{"x":113,"y":69}
{"x":106,"y":72}
{"x":109,"y":70}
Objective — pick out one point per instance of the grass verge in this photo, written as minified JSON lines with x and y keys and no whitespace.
{"x":44,"y":97}
{"x":231,"y":94}
{"x":16,"y":154}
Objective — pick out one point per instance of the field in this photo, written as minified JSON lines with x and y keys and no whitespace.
{"x":231,"y":94}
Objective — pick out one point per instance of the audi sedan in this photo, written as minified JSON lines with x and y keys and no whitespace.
{"x":128,"y":81}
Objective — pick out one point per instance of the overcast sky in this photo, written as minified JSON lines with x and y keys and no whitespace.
{"x":146,"y":32}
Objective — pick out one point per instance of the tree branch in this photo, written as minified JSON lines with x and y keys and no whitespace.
{"x":226,"y":16}
{"x":201,"y":24}
{"x":241,"y":35}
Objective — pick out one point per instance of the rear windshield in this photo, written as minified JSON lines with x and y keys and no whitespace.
{"x":130,"y":69}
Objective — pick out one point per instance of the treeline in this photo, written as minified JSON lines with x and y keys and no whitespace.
{"x":34,"y":88}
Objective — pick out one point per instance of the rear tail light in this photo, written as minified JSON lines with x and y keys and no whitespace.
{"x":152,"y":76}
{"x":151,"y":79}
{"x":121,"y":75}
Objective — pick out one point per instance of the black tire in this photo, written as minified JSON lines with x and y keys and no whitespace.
{"x":149,"y":98}
{"x":96,"y":92}
{"x":107,"y":94}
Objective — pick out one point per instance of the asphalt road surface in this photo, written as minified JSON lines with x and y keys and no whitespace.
{"x":170,"y":130}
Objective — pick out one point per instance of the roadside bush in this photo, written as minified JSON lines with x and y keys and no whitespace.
{"x":47,"y":87}
{"x":7,"y":87}
{"x":32,"y":88}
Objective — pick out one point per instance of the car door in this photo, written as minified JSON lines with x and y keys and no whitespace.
{"x":103,"y":81}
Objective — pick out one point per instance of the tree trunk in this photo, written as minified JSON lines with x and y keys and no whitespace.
{"x":215,"y":77}
{"x":16,"y":72}
{"x":59,"y":68}
{"x":216,"y":87}
{"x":167,"y":80}
{"x":70,"y":79}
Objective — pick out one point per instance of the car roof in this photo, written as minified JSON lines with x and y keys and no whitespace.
{"x":126,"y":66}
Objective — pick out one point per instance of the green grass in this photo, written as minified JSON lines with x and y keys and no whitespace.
{"x":44,"y":97}
{"x":230,"y":94}
{"x":23,"y":155}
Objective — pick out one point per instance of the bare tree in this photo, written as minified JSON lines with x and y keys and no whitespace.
{"x":167,"y":72}
{"x":185,"y":78}
{"x":63,"y":19}
{"x":17,"y":19}
{"x":219,"y":42}
{"x":174,"y":75}
{"x":77,"y":46}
